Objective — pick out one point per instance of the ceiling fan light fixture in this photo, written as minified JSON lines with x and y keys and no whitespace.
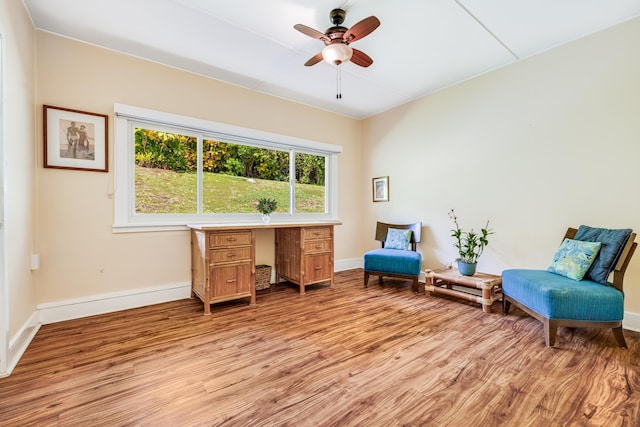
{"x":337,"y":53}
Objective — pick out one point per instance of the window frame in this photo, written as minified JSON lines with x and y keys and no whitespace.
{"x":128,"y":117}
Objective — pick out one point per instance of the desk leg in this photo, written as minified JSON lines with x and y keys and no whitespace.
{"x":331,"y":283}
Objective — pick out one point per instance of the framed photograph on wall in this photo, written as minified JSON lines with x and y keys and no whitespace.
{"x":381,"y":189}
{"x":75,"y":139}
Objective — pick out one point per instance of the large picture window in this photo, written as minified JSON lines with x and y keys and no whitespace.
{"x":174,"y":170}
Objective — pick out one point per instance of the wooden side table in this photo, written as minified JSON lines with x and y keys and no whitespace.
{"x":441,"y":281}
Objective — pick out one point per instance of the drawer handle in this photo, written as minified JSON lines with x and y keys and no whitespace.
{"x":231,"y":239}
{"x":231,"y":280}
{"x":317,"y":233}
{"x":318,"y":246}
{"x":317,"y":268}
{"x":230,"y":255}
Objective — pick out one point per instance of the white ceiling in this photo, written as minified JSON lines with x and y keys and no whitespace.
{"x":420,"y":47}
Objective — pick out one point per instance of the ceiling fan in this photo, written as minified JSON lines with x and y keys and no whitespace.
{"x":338,"y":38}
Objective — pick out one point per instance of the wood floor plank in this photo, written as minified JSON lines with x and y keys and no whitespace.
{"x":351,"y":356}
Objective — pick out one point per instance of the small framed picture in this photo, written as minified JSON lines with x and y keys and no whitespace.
{"x":381,"y":189}
{"x":75,"y":139}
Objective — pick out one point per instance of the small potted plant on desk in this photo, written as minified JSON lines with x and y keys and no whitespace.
{"x":470,"y":245}
{"x":265,"y":207}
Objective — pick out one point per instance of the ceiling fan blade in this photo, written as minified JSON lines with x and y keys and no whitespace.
{"x":313,"y":60}
{"x":308,"y":31}
{"x":361,"y":29}
{"x":360,"y":58}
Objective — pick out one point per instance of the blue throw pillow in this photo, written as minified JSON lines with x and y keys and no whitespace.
{"x":613,"y":242}
{"x":574,"y":258}
{"x":398,"y":239}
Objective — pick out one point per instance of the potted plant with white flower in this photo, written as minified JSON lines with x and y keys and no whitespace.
{"x":470,"y":245}
{"x":265,"y":206}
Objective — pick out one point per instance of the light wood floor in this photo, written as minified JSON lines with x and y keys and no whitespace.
{"x":381,"y":356}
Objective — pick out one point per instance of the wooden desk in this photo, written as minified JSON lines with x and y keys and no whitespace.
{"x":223,"y":265}
{"x":442,"y":281}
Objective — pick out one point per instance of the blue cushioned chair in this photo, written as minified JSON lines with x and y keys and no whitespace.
{"x":400,"y":263}
{"x":556,"y":300}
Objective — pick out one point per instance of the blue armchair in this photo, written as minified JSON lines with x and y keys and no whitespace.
{"x":588,"y":301}
{"x":397,"y":256}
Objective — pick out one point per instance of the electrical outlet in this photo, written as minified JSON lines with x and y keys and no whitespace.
{"x":35,"y":262}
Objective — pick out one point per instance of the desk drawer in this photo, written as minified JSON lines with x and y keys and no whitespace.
{"x":231,"y":280}
{"x":314,"y":246}
{"x":230,"y":255}
{"x":317,"y":268}
{"x":230,"y":238}
{"x":316,"y":233}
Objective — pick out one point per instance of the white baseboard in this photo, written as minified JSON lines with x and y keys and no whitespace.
{"x":348,"y":264}
{"x":19,"y":343}
{"x":107,"y":303}
{"x":631,"y":321}
{"x":117,"y":301}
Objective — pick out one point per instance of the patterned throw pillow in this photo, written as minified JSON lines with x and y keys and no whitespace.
{"x":398,"y":239}
{"x":574,"y":258}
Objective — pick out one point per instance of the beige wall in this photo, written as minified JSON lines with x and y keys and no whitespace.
{"x":81,"y":257}
{"x":19,"y":161}
{"x":535,"y":147}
